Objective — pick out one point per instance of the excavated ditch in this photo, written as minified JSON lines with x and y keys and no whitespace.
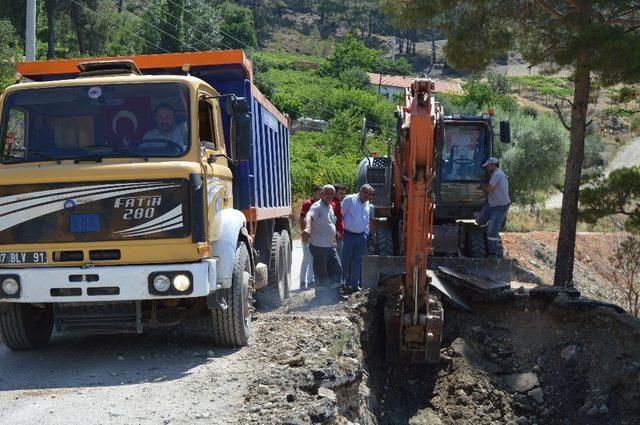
{"x":513,"y":360}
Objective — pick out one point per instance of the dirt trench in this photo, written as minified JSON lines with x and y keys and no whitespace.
{"x":516,"y":360}
{"x":513,"y":360}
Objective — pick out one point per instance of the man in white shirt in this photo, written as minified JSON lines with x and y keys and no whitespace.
{"x":167,"y":129}
{"x":356,"y":213}
{"x":320,"y":233}
{"x":495,"y":210}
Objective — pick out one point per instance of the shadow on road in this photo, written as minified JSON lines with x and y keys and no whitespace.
{"x":73,"y":361}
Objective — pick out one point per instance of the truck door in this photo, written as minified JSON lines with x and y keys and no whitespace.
{"x":218,"y":177}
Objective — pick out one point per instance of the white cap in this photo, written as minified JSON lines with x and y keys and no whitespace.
{"x":491,"y":160}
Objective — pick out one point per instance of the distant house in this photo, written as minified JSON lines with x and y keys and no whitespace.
{"x":389,"y":85}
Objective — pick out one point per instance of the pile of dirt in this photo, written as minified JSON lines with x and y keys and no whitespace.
{"x":312,"y":365}
{"x":535,"y":254}
{"x":516,"y":360}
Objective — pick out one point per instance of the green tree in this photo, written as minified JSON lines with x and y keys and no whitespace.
{"x":588,"y":37}
{"x":535,"y":157}
{"x":619,"y":193}
{"x":238,"y":30}
{"x":10,"y":52}
{"x":626,"y":265}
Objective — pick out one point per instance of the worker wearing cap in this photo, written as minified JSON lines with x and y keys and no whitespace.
{"x":495,"y":210}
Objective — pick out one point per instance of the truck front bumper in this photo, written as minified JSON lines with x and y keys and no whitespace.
{"x":108,"y":283}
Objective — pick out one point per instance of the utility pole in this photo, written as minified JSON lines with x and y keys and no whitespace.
{"x":30,"y":36}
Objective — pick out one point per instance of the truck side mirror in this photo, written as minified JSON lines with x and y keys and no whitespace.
{"x":237,"y":106}
{"x":505,"y":132}
{"x":241,"y":137}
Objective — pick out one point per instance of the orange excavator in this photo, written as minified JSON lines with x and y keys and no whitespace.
{"x":425,"y":244}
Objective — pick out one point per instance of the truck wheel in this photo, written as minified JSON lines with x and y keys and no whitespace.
{"x":24,"y":327}
{"x":286,"y":241}
{"x":232,"y":326}
{"x":476,"y":244}
{"x":272,"y":295}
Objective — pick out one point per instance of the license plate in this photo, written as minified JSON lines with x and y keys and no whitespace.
{"x":15,"y":257}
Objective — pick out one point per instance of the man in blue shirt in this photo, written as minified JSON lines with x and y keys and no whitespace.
{"x":495,"y":210}
{"x":356,"y":213}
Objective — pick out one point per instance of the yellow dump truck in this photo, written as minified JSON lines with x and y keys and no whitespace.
{"x":139,"y":192}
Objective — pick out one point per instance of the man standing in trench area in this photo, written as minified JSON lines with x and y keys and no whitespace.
{"x":320,"y":233}
{"x":495,"y":210}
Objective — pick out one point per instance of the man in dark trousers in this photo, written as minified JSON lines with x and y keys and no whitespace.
{"x":320,"y":232}
{"x":306,"y":269}
{"x":356,"y":213}
{"x":495,"y":210}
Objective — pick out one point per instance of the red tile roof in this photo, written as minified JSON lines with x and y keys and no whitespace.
{"x":401,"y":81}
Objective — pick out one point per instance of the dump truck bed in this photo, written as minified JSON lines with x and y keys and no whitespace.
{"x":263,"y":182}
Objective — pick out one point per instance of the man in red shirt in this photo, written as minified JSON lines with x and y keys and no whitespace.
{"x":341,"y":192}
{"x":306,"y":270}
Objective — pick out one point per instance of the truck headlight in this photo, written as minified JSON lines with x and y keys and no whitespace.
{"x":10,"y":286}
{"x":161,"y":283}
{"x":181,"y":282}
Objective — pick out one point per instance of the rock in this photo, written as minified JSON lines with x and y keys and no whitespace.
{"x":463,"y":349}
{"x":327,"y":393}
{"x":593,"y":411}
{"x":291,"y":397}
{"x":569,"y":352}
{"x":296,"y":361}
{"x":585,"y":407}
{"x":120,"y":358}
{"x":537,"y":394}
{"x":425,"y":417}
{"x":603,"y":409}
{"x":263,"y":389}
{"x":522,"y":382}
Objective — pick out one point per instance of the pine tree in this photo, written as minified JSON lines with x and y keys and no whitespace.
{"x":587,"y":37}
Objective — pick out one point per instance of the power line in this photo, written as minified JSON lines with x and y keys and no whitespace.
{"x":152,"y":5}
{"x":221,"y":31}
{"x":119,"y":26}
{"x":159,"y":29}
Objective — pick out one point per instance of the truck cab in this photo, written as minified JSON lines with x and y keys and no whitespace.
{"x":118,"y":202}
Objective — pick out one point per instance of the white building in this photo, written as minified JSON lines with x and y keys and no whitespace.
{"x":389,"y":85}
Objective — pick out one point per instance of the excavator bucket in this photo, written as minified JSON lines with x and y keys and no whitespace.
{"x":420,"y":342}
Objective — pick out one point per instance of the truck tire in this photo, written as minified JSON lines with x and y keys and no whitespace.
{"x":286,"y":241}
{"x":24,"y":327}
{"x":232,"y":326}
{"x":272,"y":295}
{"x":476,"y":244}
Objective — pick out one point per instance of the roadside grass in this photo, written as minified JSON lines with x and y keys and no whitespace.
{"x":524,"y":220}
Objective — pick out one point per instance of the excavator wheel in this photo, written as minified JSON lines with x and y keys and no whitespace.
{"x":382,"y":244}
{"x":476,"y":245}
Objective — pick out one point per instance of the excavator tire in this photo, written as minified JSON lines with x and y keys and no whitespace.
{"x":272,"y":295}
{"x":384,"y":242}
{"x":476,"y":244}
{"x":24,"y":327}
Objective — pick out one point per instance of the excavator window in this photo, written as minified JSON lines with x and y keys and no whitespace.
{"x":463,"y":152}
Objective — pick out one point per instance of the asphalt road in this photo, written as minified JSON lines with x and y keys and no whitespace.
{"x":156,"y":378}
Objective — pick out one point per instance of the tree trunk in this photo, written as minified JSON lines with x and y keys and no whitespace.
{"x":77,"y":23}
{"x":569,"y":214}
{"x":120,"y":5}
{"x":432,"y":34}
{"x":51,"y":30}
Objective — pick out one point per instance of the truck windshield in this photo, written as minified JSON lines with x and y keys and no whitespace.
{"x":95,"y":121}
{"x":463,"y":152}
